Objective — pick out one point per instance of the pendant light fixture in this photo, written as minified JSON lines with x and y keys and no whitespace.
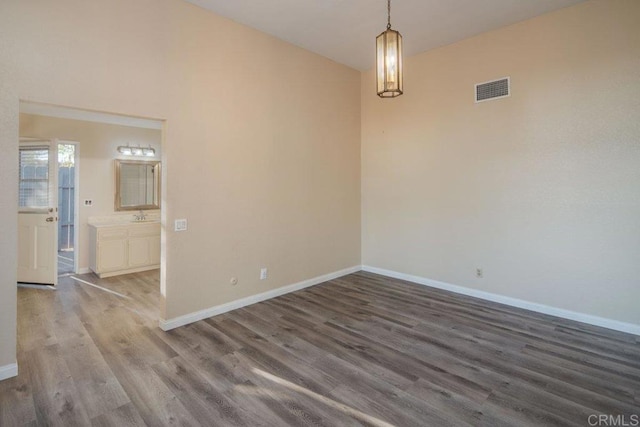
{"x":389,"y":60}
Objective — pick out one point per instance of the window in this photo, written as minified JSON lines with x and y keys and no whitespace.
{"x":34,"y":177}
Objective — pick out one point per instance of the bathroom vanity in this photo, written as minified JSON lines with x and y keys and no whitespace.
{"x":125,"y":243}
{"x":124,"y":247}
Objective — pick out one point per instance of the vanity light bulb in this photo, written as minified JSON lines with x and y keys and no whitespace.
{"x":125,"y":150}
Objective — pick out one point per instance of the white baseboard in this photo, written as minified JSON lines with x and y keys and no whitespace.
{"x":176,"y":322}
{"x":84,"y":270}
{"x":514,"y":302}
{"x":8,"y":371}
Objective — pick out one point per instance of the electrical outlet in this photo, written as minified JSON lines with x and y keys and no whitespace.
{"x":479,"y":273}
{"x":263,"y":273}
{"x":88,"y":202}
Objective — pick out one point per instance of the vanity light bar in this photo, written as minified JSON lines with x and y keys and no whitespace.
{"x":127,"y":150}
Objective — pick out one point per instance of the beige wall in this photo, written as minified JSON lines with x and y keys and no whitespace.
{"x":541,"y":190}
{"x":98,"y":144}
{"x":261,"y":151}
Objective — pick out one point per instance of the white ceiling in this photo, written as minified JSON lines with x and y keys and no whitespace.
{"x":345,"y":30}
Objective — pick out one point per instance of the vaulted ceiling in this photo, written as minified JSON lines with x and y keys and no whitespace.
{"x":345,"y":30}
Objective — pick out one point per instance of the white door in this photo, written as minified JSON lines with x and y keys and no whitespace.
{"x":38,"y":213}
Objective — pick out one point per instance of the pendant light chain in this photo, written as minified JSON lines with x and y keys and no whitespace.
{"x":388,"y":14}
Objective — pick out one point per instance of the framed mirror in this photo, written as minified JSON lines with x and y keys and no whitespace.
{"x":137,"y":185}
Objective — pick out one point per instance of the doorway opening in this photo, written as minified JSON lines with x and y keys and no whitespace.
{"x":62,"y":240}
{"x":67,"y":194}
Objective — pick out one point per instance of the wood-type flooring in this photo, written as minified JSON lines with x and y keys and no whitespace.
{"x":360,"y":350}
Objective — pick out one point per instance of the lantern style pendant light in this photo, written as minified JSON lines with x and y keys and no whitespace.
{"x":389,"y":60}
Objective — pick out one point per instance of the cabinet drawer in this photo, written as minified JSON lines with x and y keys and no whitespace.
{"x":112,"y":233}
{"x":145,"y":230}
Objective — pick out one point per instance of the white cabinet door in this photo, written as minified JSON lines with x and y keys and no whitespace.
{"x":139,"y":251}
{"x":112,"y":255}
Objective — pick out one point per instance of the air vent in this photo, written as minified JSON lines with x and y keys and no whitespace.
{"x":494,"y":89}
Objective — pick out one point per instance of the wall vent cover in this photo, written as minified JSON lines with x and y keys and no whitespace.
{"x":494,"y":89}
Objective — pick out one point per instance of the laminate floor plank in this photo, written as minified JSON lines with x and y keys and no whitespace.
{"x":270,"y":357}
{"x":316,"y":354}
{"x":376,"y":396}
{"x":298,"y":306}
{"x":130,"y":351}
{"x":362,"y":349}
{"x":439,"y":370}
{"x":279,"y":335}
{"x":293,"y":402}
{"x":529,"y":338}
{"x":519,"y":366}
{"x":405,"y":291}
{"x":381,"y":411}
{"x":561,"y":407}
{"x":36,"y":324}
{"x":520,"y":412}
{"x":451,"y":369}
{"x":415,"y":306}
{"x":16,"y":402}
{"x":55,"y":395}
{"x":346,"y":352}
{"x":153,"y":400}
{"x":613,"y":368}
{"x":98,"y":389}
{"x":538,"y":331}
{"x":592,"y":376}
{"x":353,"y":375}
{"x":125,"y":415}
{"x":459,"y":300}
{"x":570,"y":372}
{"x":413,"y":294}
{"x":205,"y":403}
{"x":344,"y":304}
{"x":481,"y":305}
{"x":199,"y":341}
{"x":357,"y":354}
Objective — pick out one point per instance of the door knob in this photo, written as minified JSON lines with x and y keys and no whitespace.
{"x":50,"y":219}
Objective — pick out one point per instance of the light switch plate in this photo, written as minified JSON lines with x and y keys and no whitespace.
{"x":181,"y":225}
